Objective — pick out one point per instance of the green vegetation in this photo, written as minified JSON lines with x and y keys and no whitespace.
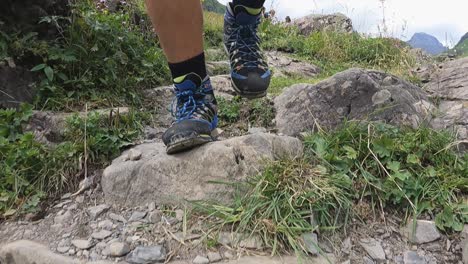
{"x":461,"y":49}
{"x":357,"y":170}
{"x":257,"y":113}
{"x":31,"y":170}
{"x":96,"y":49}
{"x":213,"y":6}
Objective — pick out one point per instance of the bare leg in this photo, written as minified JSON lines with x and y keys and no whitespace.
{"x":179,"y":24}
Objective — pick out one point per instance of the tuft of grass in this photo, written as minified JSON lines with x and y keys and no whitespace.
{"x":213,"y":29}
{"x":32,"y":171}
{"x":416,"y":171}
{"x":258,"y":112}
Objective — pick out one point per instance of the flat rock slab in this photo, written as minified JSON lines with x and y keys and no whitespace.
{"x":28,"y":252}
{"x":171,"y":179}
{"x":355,"y":94}
{"x":285,"y":66}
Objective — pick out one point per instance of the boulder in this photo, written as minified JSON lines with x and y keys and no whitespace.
{"x":316,"y":23}
{"x":449,"y":89}
{"x":17,"y":85}
{"x":355,"y":94}
{"x":170,"y":179}
{"x":28,"y":252}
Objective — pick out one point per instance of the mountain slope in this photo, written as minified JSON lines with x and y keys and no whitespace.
{"x":213,"y":6}
{"x":427,"y":42}
{"x":461,"y":49}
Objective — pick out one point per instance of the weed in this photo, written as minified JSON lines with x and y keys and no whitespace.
{"x":258,"y":112}
{"x":412,"y":170}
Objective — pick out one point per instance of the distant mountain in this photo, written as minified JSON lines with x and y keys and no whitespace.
{"x":213,"y":6}
{"x":428,"y":43}
{"x":461,"y":49}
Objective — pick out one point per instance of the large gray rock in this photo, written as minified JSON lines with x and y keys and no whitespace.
{"x":147,"y":255}
{"x":28,"y":252}
{"x":161,"y":178}
{"x":355,"y":94}
{"x":421,"y":232}
{"x":449,"y":88}
{"x":374,"y":249}
{"x":316,"y":23}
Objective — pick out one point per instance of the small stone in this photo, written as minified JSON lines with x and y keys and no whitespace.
{"x":411,"y":257}
{"x":228,"y":255}
{"x":79,"y":199}
{"x":94,"y":256}
{"x":117,"y":217}
{"x":137,"y":216}
{"x":214,"y":257}
{"x":200,"y":260}
{"x":425,"y":232}
{"x":66,"y":196}
{"x":154,"y":217}
{"x":252,"y":242}
{"x":71,"y":252}
{"x":82,"y":244}
{"x":144,"y":255}
{"x":106,"y":224}
{"x":64,"y":218}
{"x":367,"y":260}
{"x":464,"y":248}
{"x":346,"y":248}
{"x":72,"y":207}
{"x":151,"y":206}
{"x":95,"y":211}
{"x":373,"y":248}
{"x":311,"y":243}
{"x":118,"y":249}
{"x":179,"y":214}
{"x":103,"y":234}
{"x":63,"y":250}
{"x":86,"y":253}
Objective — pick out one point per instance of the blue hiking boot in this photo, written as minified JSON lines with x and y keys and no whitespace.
{"x":195,"y":111}
{"x":250,"y":75}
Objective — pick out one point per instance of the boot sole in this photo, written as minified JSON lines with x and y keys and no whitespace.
{"x":242,"y":93}
{"x":188,"y":143}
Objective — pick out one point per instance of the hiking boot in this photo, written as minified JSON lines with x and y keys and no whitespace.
{"x":250,"y":75}
{"x":195,"y":111}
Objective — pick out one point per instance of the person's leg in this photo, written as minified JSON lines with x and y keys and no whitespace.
{"x":250,"y":75}
{"x":179,"y":25}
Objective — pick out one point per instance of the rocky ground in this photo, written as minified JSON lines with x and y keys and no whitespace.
{"x":133,"y":211}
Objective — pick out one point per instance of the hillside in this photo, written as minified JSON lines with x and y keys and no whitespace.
{"x":461,"y":49}
{"x":213,"y":6}
{"x":427,"y":42}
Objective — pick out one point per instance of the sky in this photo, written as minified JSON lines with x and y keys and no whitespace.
{"x":447,"y":20}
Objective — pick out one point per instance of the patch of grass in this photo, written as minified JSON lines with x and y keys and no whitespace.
{"x":101,"y":58}
{"x":213,"y":28}
{"x":415,"y":171}
{"x":32,"y":171}
{"x":258,"y":112}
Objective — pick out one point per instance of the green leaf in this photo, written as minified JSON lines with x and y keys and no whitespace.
{"x":350,"y":152}
{"x":38,"y":67}
{"x":413,"y":159}
{"x":49,"y":72}
{"x":394,"y":166}
{"x":9,"y":212}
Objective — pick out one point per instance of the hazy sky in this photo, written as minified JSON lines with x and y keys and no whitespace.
{"x":445,"y":19}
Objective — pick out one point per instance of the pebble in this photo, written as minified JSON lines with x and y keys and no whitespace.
{"x":71,"y":252}
{"x":64,"y":218}
{"x":95,"y":211}
{"x":151,"y":206}
{"x":154,"y":217}
{"x":103,"y":234}
{"x":117,"y":217}
{"x":311,"y":243}
{"x":346,"y":248}
{"x":257,"y":130}
{"x":133,"y":155}
{"x":214,"y":257}
{"x":137,"y":216}
{"x":106,"y":224}
{"x":144,"y":254}
{"x":425,"y":232}
{"x":82,"y":244}
{"x":179,"y":214}
{"x":118,"y":249}
{"x":200,"y":260}
{"x":63,"y":250}
{"x":79,"y":199}
{"x":373,"y":248}
{"x":411,"y":257}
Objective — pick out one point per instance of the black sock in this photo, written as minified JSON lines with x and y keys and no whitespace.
{"x":195,"y":65}
{"x":255,"y":4}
